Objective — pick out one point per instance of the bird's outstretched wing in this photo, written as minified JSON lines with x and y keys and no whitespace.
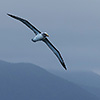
{"x":55,"y":51}
{"x":35,"y":30}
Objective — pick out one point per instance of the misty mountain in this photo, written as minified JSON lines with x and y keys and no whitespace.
{"x":24,"y":81}
{"x":88,"y":80}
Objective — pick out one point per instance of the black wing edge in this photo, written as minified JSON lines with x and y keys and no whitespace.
{"x":23,"y":21}
{"x":62,"y":62}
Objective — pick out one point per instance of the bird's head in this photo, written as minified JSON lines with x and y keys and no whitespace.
{"x":45,"y":34}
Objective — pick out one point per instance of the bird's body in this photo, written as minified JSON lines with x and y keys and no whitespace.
{"x":41,"y":36}
{"x":37,"y":38}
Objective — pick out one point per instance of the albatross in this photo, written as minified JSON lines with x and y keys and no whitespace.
{"x":41,"y":36}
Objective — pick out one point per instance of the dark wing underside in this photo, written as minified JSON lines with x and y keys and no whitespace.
{"x":35,"y":30}
{"x":55,"y":51}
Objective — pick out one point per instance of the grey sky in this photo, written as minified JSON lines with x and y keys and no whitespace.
{"x":73,"y":26}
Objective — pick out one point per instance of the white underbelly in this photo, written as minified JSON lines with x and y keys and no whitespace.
{"x":38,"y":37}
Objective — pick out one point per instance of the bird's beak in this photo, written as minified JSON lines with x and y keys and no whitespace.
{"x":47,"y":35}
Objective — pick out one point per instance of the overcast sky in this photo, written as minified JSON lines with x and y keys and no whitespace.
{"x":73,"y":26}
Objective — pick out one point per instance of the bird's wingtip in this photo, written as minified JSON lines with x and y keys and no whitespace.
{"x":64,"y":66}
{"x":12,"y":16}
{"x":8,"y":14}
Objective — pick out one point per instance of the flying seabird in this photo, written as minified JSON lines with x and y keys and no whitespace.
{"x":41,"y":36}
